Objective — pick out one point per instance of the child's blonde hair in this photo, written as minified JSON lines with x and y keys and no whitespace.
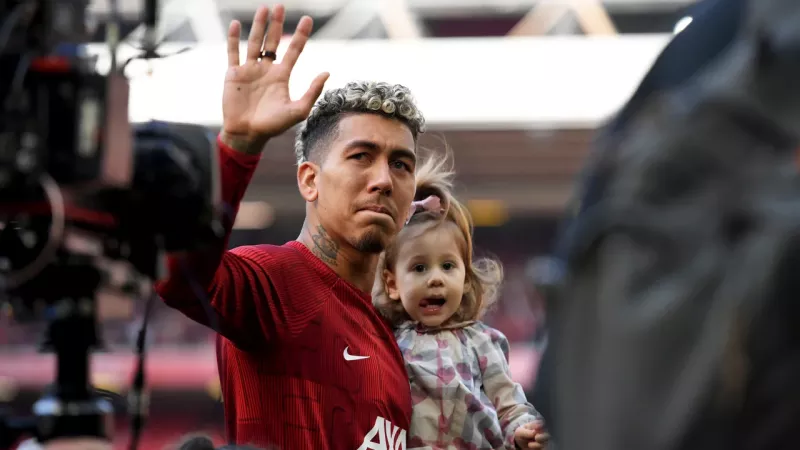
{"x":483,"y":276}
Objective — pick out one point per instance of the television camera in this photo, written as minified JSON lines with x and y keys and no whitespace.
{"x":82,"y":191}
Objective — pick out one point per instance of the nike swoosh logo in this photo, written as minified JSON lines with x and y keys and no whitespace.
{"x":349,"y":357}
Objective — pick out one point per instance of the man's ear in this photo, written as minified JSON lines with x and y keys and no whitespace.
{"x":390,"y":282}
{"x":307,"y":181}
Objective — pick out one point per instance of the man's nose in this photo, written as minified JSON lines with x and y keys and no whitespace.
{"x":381,"y":179}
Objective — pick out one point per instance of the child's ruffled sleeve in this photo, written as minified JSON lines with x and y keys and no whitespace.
{"x":508,"y":398}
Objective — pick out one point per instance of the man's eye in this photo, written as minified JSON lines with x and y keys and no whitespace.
{"x":401,"y":165}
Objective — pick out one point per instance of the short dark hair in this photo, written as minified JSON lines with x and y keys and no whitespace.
{"x":389,"y":100}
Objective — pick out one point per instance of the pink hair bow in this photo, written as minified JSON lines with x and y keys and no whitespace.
{"x":430,"y":204}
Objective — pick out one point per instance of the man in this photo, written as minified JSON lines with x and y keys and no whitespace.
{"x":305,"y":361}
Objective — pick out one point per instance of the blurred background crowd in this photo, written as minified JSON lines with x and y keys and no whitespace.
{"x":515,"y":87}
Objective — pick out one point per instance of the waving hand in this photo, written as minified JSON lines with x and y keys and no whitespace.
{"x":255,"y":102}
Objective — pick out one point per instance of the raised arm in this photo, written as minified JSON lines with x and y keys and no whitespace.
{"x":201,"y":284}
{"x":215,"y":287}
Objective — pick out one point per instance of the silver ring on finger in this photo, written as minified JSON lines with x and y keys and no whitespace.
{"x":268,"y":54}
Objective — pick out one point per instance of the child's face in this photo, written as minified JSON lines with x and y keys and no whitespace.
{"x":429,"y":276}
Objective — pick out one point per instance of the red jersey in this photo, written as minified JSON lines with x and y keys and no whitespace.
{"x":305,"y":361}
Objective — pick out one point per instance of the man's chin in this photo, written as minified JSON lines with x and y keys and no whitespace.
{"x":373,"y":240}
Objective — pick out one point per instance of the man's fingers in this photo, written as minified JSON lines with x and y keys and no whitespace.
{"x":275,"y":29}
{"x":535,"y":445}
{"x":312,"y":94}
{"x":298,"y":42}
{"x":526,"y":433}
{"x":257,"y":31}
{"x":542,"y":437}
{"x":234,"y":33}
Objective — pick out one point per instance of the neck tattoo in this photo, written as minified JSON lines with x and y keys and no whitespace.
{"x":324,"y":247}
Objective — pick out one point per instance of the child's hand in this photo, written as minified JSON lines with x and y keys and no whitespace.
{"x":531,"y":435}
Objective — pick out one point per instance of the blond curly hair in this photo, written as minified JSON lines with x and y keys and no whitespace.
{"x":371,"y":97}
{"x":484,"y":276}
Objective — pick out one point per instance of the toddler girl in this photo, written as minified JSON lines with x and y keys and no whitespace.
{"x":434,"y":293}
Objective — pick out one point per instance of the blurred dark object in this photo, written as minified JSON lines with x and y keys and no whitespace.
{"x":80,"y":191}
{"x":544,"y":273}
{"x":197,"y":443}
{"x":205,"y":443}
{"x":714,"y":26}
{"x":676,"y":328}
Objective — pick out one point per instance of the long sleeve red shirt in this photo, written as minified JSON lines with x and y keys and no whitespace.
{"x":305,"y":361}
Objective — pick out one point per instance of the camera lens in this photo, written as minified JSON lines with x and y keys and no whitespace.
{"x":175,"y":187}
